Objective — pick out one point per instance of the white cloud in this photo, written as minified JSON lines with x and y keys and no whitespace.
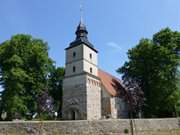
{"x":115,"y":46}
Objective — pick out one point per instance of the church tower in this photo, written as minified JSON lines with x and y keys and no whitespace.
{"x":81,"y":85}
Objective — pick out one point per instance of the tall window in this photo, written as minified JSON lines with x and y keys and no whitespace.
{"x":74,"y":69}
{"x":90,"y":55}
{"x":91,"y":70}
{"x":74,"y":54}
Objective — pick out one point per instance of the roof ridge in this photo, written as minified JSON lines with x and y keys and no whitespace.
{"x":110,"y":75}
{"x":119,"y":80}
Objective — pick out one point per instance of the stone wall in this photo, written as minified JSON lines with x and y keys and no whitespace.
{"x":118,"y":108}
{"x":93,"y":90}
{"x":74,"y":97}
{"x":106,"y":127}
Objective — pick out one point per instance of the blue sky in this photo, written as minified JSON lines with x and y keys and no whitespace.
{"x":114,"y":25}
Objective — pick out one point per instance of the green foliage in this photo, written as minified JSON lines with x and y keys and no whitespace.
{"x":24,"y":66}
{"x":55,"y":84}
{"x":153,"y":64}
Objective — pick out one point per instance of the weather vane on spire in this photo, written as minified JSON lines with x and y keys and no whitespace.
{"x":81,"y":10}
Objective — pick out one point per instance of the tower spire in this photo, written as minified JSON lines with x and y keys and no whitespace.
{"x":81,"y":31}
{"x":81,"y":11}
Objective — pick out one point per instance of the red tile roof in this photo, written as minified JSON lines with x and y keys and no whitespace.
{"x":112,"y":84}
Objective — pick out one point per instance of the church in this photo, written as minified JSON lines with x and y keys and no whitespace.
{"x":89,"y":93}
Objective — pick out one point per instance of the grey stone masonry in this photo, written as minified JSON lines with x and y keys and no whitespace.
{"x":81,"y":85}
{"x":74,"y":98}
{"x":81,"y":96}
{"x":108,"y":127}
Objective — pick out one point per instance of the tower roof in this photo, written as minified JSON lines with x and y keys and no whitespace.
{"x":81,"y":37}
{"x":81,"y":31}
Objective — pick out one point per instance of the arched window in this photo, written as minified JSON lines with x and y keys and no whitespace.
{"x":90,"y":55}
{"x":74,"y":69}
{"x":74,"y":54}
{"x":91,"y":70}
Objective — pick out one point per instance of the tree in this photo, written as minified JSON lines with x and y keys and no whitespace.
{"x":45,"y":106}
{"x":55,"y":85}
{"x":134,"y":97}
{"x":153,"y":65}
{"x":24,"y":65}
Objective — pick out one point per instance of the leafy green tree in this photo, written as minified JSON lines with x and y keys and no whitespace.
{"x":55,"y":85}
{"x":153,"y":65}
{"x":24,"y":66}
